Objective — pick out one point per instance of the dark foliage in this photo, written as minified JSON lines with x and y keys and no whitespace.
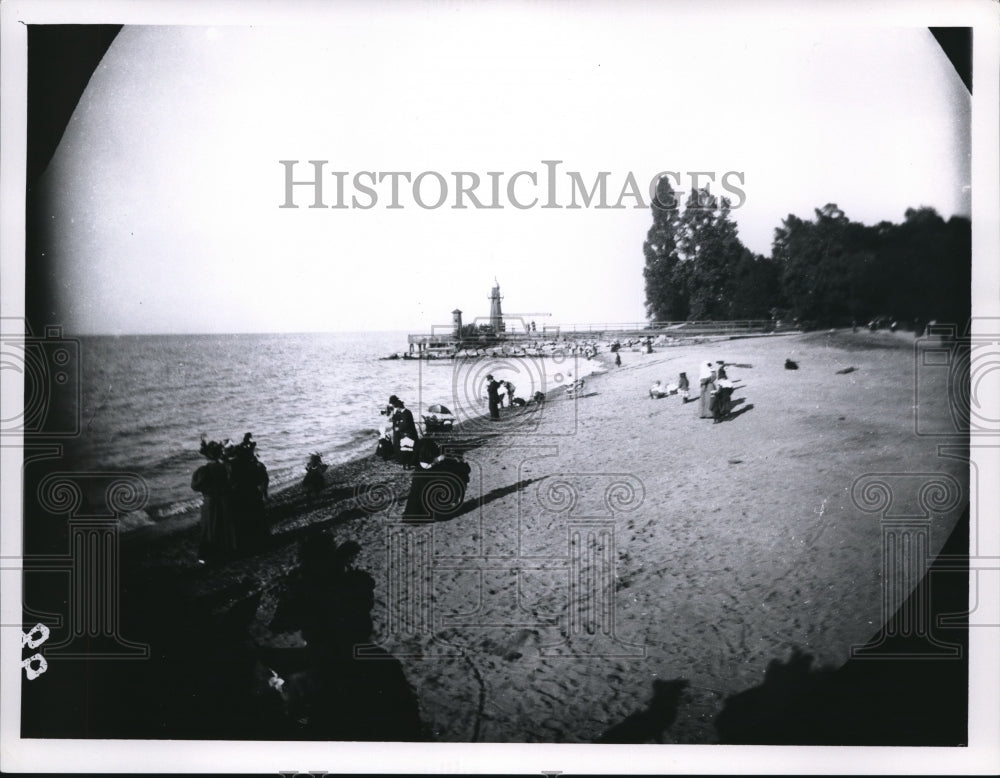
{"x":835,"y":271}
{"x":829,"y":271}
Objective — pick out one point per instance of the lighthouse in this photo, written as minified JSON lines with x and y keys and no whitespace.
{"x":496,"y":316}
{"x":456,"y":322}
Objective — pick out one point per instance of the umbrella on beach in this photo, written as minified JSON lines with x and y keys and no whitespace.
{"x":438,"y":417}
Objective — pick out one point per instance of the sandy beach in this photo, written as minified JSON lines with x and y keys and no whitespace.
{"x":619,"y":570}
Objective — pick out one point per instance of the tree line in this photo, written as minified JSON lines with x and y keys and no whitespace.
{"x":823,"y":272}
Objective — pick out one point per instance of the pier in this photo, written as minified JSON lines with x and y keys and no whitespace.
{"x":442,"y":342}
{"x":519,"y":333}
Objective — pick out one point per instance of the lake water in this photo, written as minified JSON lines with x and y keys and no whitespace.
{"x":147,"y":399}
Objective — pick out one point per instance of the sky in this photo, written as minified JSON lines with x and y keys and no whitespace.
{"x":167,"y":186}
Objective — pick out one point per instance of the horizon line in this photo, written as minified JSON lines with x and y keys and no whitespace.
{"x":68,"y":333}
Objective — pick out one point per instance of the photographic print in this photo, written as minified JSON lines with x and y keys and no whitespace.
{"x":483,"y":376}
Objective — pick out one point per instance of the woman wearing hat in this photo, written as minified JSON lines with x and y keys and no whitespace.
{"x":218,"y":530}
{"x":248,"y":482}
{"x":404,"y":432}
{"x":707,"y":379}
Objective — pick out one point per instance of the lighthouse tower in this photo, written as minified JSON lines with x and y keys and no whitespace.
{"x":496,"y":317}
{"x":456,"y":322}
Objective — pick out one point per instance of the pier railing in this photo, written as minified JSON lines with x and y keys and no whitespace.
{"x":681,"y":328}
{"x":443,"y":339}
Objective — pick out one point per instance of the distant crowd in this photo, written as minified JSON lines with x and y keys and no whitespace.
{"x":234,"y":482}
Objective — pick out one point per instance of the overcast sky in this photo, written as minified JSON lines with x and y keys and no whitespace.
{"x":167,"y":183}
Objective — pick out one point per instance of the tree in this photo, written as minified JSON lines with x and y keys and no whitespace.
{"x":954,"y":285}
{"x":666,"y":290}
{"x":754,"y":287}
{"x":711,"y":245}
{"x":825,"y":266}
{"x":825,"y":272}
{"x":926,"y":267}
{"x":696,"y":265}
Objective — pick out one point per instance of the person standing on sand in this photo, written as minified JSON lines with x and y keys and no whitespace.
{"x":218,"y":531}
{"x":618,"y":359}
{"x":248,"y":482}
{"x":684,"y":387}
{"x":509,"y":387}
{"x":707,"y":380}
{"x":493,"y":392}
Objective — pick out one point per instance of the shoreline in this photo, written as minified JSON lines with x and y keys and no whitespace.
{"x":735,"y":545}
{"x":142,"y":527}
{"x":290,"y":497}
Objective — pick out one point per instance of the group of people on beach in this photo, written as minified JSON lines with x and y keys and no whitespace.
{"x":233,"y":484}
{"x":497,"y":392}
{"x":716,"y":390}
{"x":436,"y":474}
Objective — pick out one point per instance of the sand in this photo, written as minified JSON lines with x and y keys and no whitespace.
{"x":614,"y":548}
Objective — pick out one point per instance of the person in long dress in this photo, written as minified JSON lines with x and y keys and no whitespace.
{"x":493,"y":392}
{"x":248,"y":480}
{"x":723,"y":404}
{"x":218,"y":530}
{"x":438,"y":486}
{"x":707,"y":379}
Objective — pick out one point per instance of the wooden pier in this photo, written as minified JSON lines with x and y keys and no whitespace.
{"x":444,"y":342}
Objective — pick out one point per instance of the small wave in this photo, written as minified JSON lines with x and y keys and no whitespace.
{"x":184,"y":456}
{"x":147,"y":517}
{"x":176,"y":508}
{"x":135,"y":520}
{"x":356,"y":439}
{"x":282,"y":478}
{"x":135,"y":432}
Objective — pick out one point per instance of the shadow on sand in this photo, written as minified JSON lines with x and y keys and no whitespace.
{"x":898,"y":691}
{"x":735,"y":414}
{"x":423,"y":509}
{"x":210,"y":676}
{"x":339,"y":686}
{"x":902,"y":691}
{"x":649,"y":724}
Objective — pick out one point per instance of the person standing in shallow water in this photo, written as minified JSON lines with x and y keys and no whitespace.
{"x":218,"y":530}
